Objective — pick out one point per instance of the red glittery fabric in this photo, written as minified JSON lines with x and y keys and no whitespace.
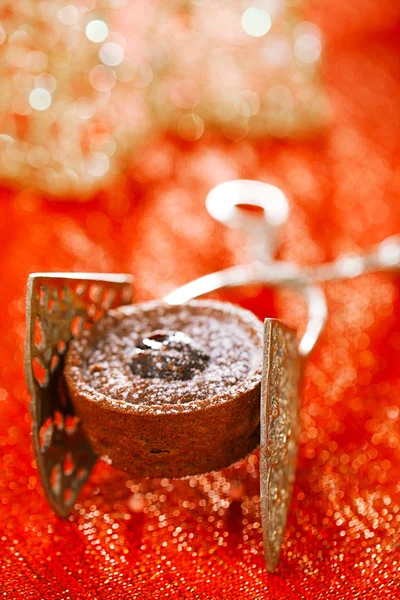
{"x":201,"y":538}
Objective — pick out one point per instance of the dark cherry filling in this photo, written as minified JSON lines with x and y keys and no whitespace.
{"x":169,"y":355}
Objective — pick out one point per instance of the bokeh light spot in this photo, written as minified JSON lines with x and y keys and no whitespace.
{"x":98,"y":164}
{"x":111,"y":54}
{"x":96,"y":31}
{"x":307,"y":48}
{"x":190,"y":127}
{"x":68,"y":15}
{"x":143,"y":76}
{"x":252,"y":101}
{"x":102,"y":78}
{"x":256,"y":21}
{"x":84,"y":108}
{"x":40,"y":99}
{"x":38,"y":157}
{"x":307,"y":45}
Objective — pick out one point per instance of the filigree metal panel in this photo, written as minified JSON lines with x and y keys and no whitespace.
{"x":279,"y":431}
{"x":60,"y":306}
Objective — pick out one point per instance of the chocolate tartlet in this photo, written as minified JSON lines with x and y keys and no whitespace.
{"x":169,"y":391}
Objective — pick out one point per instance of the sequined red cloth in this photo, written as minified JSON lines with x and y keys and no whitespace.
{"x":201,"y":538}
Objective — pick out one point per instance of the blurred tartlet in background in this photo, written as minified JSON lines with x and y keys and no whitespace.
{"x":84,"y":84}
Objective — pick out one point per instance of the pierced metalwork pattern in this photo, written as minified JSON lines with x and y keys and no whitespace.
{"x":60,"y":306}
{"x":279,"y":432}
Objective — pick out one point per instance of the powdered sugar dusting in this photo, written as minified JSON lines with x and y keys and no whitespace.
{"x":232,"y":337}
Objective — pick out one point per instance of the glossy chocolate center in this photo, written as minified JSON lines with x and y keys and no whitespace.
{"x":169,"y":355}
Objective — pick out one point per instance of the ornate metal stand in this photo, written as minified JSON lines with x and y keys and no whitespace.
{"x":61,"y":305}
